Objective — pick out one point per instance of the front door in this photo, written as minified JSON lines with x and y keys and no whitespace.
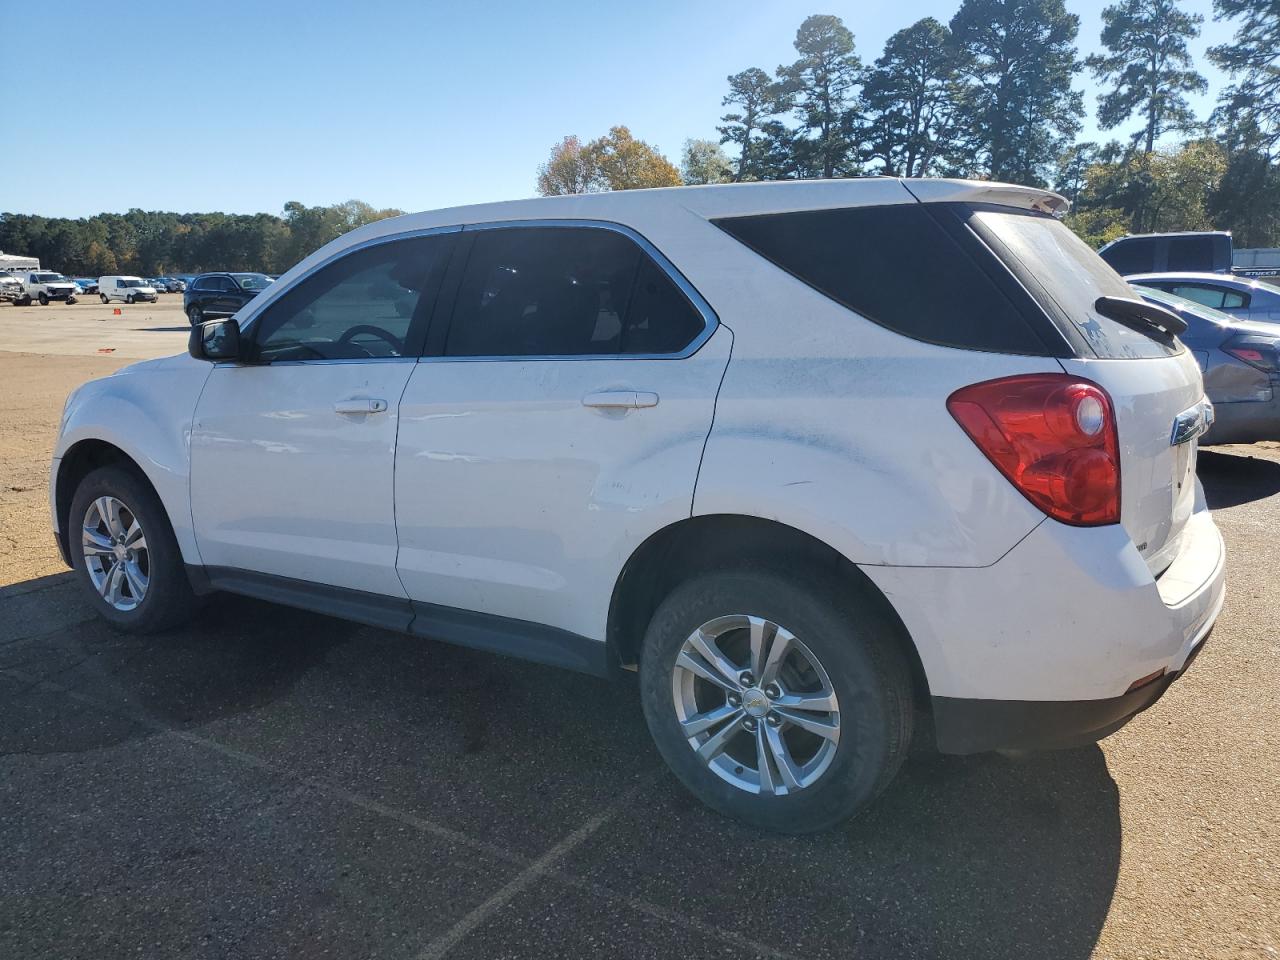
{"x":292,"y":454}
{"x":560,"y":423}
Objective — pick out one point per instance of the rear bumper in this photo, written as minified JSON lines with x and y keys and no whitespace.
{"x":974,"y":726}
{"x":1042,"y":647}
{"x":1245,"y":421}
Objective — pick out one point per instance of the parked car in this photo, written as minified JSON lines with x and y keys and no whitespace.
{"x":1240,"y":361}
{"x":126,"y":289}
{"x":1205,"y":251}
{"x":10,"y":288}
{"x":87,"y":285}
{"x":1236,"y":296}
{"x":212,"y":295}
{"x":46,"y":286}
{"x":174,"y":285}
{"x":728,"y":436}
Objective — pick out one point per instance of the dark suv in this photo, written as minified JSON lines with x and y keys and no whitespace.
{"x":213,"y":295}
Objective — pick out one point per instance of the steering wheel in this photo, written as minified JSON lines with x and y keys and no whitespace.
{"x":396,"y":343}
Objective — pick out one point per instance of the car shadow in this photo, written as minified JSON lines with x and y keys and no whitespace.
{"x":1232,"y":478}
{"x":984,"y":856}
{"x":164,"y":329}
{"x":239,"y":655}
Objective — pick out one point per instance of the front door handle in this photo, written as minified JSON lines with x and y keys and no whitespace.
{"x":358,"y":405}
{"x":620,"y":399}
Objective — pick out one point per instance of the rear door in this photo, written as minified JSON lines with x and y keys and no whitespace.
{"x":1152,"y":383}
{"x":559,"y":422}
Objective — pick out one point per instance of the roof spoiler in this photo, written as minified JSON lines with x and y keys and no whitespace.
{"x":1000,"y":194}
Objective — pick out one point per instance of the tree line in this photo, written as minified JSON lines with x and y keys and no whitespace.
{"x":149,"y":244}
{"x":991,"y":95}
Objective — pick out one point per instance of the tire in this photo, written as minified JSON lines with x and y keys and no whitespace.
{"x":853,"y":644}
{"x":44,"y":299}
{"x":103,"y":298}
{"x":24,"y":302}
{"x":70,"y":300}
{"x":129,"y":298}
{"x":195,"y":316}
{"x":166,"y":599}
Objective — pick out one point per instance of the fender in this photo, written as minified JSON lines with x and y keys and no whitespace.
{"x":145,"y":410}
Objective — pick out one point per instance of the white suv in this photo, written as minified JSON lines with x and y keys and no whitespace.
{"x":809,"y":456}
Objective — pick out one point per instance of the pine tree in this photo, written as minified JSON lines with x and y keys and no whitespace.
{"x":1021,"y":110}
{"x":1148,"y":66}
{"x":820,"y":88}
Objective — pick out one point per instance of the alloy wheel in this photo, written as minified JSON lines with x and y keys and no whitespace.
{"x":115,"y":553}
{"x":756,"y":705}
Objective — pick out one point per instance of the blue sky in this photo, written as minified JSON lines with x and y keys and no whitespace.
{"x":242,"y":106}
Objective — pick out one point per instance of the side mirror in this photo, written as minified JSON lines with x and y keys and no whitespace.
{"x":215,"y":340}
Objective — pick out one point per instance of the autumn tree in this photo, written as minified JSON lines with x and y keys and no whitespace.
{"x":621,"y":162}
{"x":704,"y":161}
{"x":1020,"y":58}
{"x":569,"y":169}
{"x":820,"y":88}
{"x":909,"y":97}
{"x":1148,"y":67}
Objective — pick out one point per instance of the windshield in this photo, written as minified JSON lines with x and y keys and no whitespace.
{"x":49,"y":277}
{"x":252,"y":281}
{"x":133,"y":283}
{"x":1182,"y":303}
{"x":1070,"y":278}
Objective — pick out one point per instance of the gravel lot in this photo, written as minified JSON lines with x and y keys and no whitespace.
{"x":271,"y":783}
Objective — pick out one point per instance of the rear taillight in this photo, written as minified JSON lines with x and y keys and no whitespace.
{"x":1255,"y":351}
{"x":1053,"y":436}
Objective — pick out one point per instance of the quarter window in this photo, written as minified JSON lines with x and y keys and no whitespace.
{"x":566,"y":291}
{"x":365,"y":306}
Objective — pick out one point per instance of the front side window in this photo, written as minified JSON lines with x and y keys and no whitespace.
{"x":566,"y":292}
{"x":364,"y":306}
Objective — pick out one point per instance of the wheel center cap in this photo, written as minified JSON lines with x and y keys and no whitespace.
{"x":755,"y":702}
{"x":120,"y":551}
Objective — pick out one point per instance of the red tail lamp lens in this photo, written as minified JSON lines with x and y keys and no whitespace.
{"x":1053,"y":436}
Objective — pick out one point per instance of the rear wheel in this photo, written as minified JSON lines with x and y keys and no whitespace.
{"x":71,"y":300}
{"x":125,"y":553}
{"x":775,"y":700}
{"x":103,"y":298}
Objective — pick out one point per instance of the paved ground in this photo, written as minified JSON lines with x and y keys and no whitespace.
{"x":270,"y":783}
{"x":89,"y":328}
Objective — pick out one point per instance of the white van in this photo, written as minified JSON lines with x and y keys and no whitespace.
{"x":128,"y":289}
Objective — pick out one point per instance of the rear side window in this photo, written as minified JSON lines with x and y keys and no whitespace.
{"x":1132,"y":256}
{"x":898,"y":266}
{"x":1211,"y":296}
{"x":1190,"y":253}
{"x":566,"y":292}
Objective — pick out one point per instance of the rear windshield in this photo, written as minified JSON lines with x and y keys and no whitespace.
{"x":1066,"y":277}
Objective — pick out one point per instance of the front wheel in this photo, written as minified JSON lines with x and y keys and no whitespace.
{"x":195,"y":316}
{"x":129,"y":298}
{"x":776,"y":701}
{"x":44,"y":299}
{"x":71,"y":300}
{"x":124,"y":551}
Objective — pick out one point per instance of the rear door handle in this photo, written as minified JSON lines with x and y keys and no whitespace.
{"x":357,"y":405}
{"x":620,"y":399}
